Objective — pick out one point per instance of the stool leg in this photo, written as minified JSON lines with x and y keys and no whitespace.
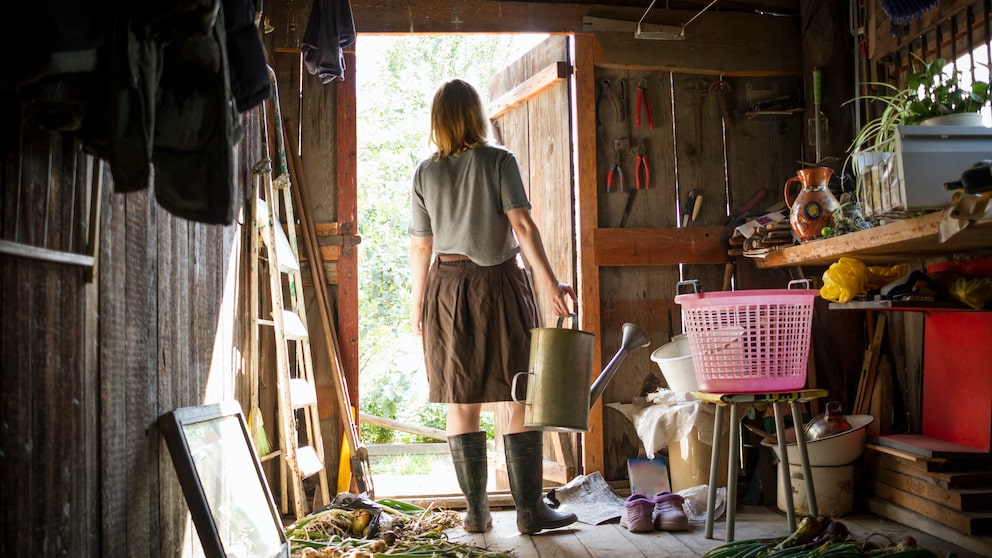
{"x":783,"y":459}
{"x":733,"y":464}
{"x":804,"y":458}
{"x":714,"y":470}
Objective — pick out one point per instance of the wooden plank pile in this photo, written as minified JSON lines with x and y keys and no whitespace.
{"x":951,"y":487}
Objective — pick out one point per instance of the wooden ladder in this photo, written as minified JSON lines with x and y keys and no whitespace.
{"x":300,"y":443}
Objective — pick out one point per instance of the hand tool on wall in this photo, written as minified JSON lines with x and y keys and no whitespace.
{"x":643,"y":100}
{"x":641,"y":166}
{"x":642,"y":178}
{"x":614,"y":178}
{"x":721,"y":89}
{"x":689,"y":208}
{"x":606,"y":94}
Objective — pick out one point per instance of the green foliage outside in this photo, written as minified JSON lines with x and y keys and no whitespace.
{"x":397,"y":77}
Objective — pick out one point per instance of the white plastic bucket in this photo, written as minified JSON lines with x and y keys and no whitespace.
{"x":675,"y":361}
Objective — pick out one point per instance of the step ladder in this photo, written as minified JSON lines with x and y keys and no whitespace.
{"x":300,"y":446}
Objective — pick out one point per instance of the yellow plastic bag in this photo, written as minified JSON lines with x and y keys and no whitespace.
{"x":844,"y":279}
{"x":879,"y":275}
{"x":850,"y":277}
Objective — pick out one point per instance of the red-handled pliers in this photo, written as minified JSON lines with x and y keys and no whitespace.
{"x":642,"y":98}
{"x":641,"y":166}
{"x":616,"y":171}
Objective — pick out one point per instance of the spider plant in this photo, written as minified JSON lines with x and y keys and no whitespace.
{"x":929,"y":92}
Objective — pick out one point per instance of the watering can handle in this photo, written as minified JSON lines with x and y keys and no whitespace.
{"x":513,"y":386}
{"x":697,"y":287}
{"x":788,"y":182}
{"x":575,"y":322}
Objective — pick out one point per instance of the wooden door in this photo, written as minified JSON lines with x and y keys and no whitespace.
{"x":531,"y":111}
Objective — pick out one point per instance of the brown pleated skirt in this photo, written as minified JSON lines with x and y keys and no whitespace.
{"x":476,"y":325}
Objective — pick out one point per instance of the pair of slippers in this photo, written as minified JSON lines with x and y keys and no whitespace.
{"x":664,"y":512}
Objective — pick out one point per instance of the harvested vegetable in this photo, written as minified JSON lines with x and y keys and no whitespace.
{"x":405,"y":530}
{"x":819,"y":537}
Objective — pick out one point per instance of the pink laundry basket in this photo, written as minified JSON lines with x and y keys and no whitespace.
{"x":749,"y":341}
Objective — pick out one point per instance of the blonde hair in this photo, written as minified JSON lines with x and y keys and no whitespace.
{"x":458,"y":119}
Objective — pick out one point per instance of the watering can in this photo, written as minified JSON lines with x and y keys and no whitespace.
{"x":558,"y":397}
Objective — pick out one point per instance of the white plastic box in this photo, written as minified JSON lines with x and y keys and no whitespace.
{"x":925,"y":158}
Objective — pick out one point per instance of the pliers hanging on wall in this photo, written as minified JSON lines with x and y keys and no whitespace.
{"x":606,"y":94}
{"x":642,"y":99}
{"x":614,"y":178}
{"x":641,"y":166}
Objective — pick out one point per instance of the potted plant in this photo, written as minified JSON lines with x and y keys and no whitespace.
{"x":929,"y":93}
{"x":931,"y":96}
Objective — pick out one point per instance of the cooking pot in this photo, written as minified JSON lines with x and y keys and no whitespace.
{"x":828,"y":423}
{"x":838,"y":449}
{"x":558,"y":394}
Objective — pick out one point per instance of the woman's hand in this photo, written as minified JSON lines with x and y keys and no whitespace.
{"x":560,"y":295}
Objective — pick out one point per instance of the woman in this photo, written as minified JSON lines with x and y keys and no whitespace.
{"x":475,"y":306}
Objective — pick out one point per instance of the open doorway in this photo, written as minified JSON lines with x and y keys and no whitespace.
{"x":396,"y":79}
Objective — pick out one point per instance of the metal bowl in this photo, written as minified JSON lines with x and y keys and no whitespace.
{"x":831,"y":451}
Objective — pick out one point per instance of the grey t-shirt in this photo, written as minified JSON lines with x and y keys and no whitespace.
{"x":462,"y":202}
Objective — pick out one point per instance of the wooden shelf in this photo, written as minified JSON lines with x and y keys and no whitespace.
{"x":905,"y":305}
{"x":913,"y":238}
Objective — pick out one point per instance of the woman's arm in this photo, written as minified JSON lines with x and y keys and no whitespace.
{"x":420,"y":261}
{"x":533,"y":248}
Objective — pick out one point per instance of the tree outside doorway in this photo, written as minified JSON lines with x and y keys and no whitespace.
{"x":396,"y":79}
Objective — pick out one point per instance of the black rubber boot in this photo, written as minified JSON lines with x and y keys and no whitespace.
{"x":468,"y":452}
{"x":524,"y":466}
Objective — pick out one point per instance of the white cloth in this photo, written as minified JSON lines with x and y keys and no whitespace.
{"x":665,"y":416}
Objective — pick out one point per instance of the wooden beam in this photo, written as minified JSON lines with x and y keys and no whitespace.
{"x":530,"y":88}
{"x":391,"y":424}
{"x":668,"y":246}
{"x":587,"y":217}
{"x":717,"y":43}
{"x":347,"y":192}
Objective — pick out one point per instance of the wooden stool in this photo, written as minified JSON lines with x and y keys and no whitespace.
{"x":734,"y":400}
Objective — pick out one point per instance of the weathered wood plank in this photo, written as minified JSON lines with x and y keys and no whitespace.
{"x":717,"y":43}
{"x":586,"y":219}
{"x":173,"y":509}
{"x":113,"y":397}
{"x":551,"y":184}
{"x":974,"y":499}
{"x":529,"y":89}
{"x":755,"y":40}
{"x":346,"y":186}
{"x":637,"y":247}
{"x":140,"y":362}
{"x":884,"y":244}
{"x":970,"y":523}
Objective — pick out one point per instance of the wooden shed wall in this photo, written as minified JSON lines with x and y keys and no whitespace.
{"x":87,"y":366}
{"x":89,"y":363}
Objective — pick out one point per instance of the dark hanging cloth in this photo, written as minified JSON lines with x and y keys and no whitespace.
{"x":902,"y":12}
{"x":196,"y":128}
{"x":331,"y":28}
{"x":154,"y":88}
{"x":246,"y":55}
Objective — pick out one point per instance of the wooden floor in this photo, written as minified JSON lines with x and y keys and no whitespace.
{"x":612,"y":540}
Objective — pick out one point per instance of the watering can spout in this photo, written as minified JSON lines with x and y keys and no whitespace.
{"x":633,"y":338}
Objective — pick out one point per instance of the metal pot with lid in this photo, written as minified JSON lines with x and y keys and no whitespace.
{"x":827,"y":424}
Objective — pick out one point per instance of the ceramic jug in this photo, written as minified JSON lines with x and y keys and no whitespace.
{"x":811,"y":209}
